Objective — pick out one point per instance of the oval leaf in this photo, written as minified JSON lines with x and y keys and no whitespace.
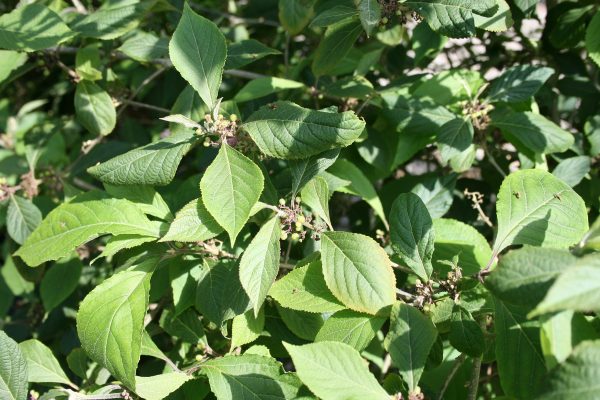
{"x":198,"y":51}
{"x":82,"y":219}
{"x":538,"y":209}
{"x":94,"y":108}
{"x":231,"y":186}
{"x":411,"y":233}
{"x":107,"y":327}
{"x":260,"y":263}
{"x":335,"y":371}
{"x":286,"y":130}
{"x":13,"y":370}
{"x":358,"y":271}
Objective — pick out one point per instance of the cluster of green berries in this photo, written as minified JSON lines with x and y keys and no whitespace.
{"x":223,"y":129}
{"x":293,"y":220}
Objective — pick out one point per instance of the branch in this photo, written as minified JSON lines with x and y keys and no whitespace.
{"x":457,"y":364}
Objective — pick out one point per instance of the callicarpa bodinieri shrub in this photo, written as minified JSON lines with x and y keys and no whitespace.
{"x":299,"y":199}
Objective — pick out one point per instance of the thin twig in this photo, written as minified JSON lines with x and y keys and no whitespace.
{"x":235,"y":20}
{"x":147,"y":106}
{"x":457,"y":364}
{"x":402,"y":268}
{"x":146,"y":82}
{"x":79,"y":7}
{"x":493,"y":160}
{"x":407,"y":295}
{"x":243,"y":74}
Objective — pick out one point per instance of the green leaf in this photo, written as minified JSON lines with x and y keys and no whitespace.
{"x":88,"y":64}
{"x":335,"y":13}
{"x":316,"y":195}
{"x":158,"y":387}
{"x":113,"y":19}
{"x":527,"y":7}
{"x":145,"y":47}
{"x":521,"y":372}
{"x":246,"y":328}
{"x":22,"y":218}
{"x":437,"y":194}
{"x":295,"y":14}
{"x":306,"y":169}
{"x":13,"y":279}
{"x":245,"y":52}
{"x":524,"y":276}
{"x":59,"y":282}
{"x":350,"y":327}
{"x":358,"y":271}
{"x":453,"y":18}
{"x":261,"y":87}
{"x":198,"y":51}
{"x":519,"y":83}
{"x":149,"y":348}
{"x":538,"y":209}
{"x":94,"y":108}
{"x":220,"y":295}
{"x":455,"y":238}
{"x":304,"y":289}
{"x":561,"y":332}
{"x":260,"y":262}
{"x":409,"y":329}
{"x":369,"y":12}
{"x":193,"y":223}
{"x":231,"y":186}
{"x":335,"y":45}
{"x":286,"y":130}
{"x":592,"y":38}
{"x":105,"y":327}
{"x":532,"y":133}
{"x":82,"y":219}
{"x":359,"y":185}
{"x":117,"y":243}
{"x":411,"y":234}
{"x":355,"y":86}
{"x":502,"y":19}
{"x":9,"y":62}
{"x":32,"y":27}
{"x":576,"y":288}
{"x":302,"y":324}
{"x":335,"y":371}
{"x":13,"y":370}
{"x":247,"y":377}
{"x":577,"y":377}
{"x":42,"y":366}
{"x":455,"y":137}
{"x":465,"y":334}
{"x":185,"y":326}
{"x":572,"y":170}
{"x":152,"y":164}
{"x":145,"y":197}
